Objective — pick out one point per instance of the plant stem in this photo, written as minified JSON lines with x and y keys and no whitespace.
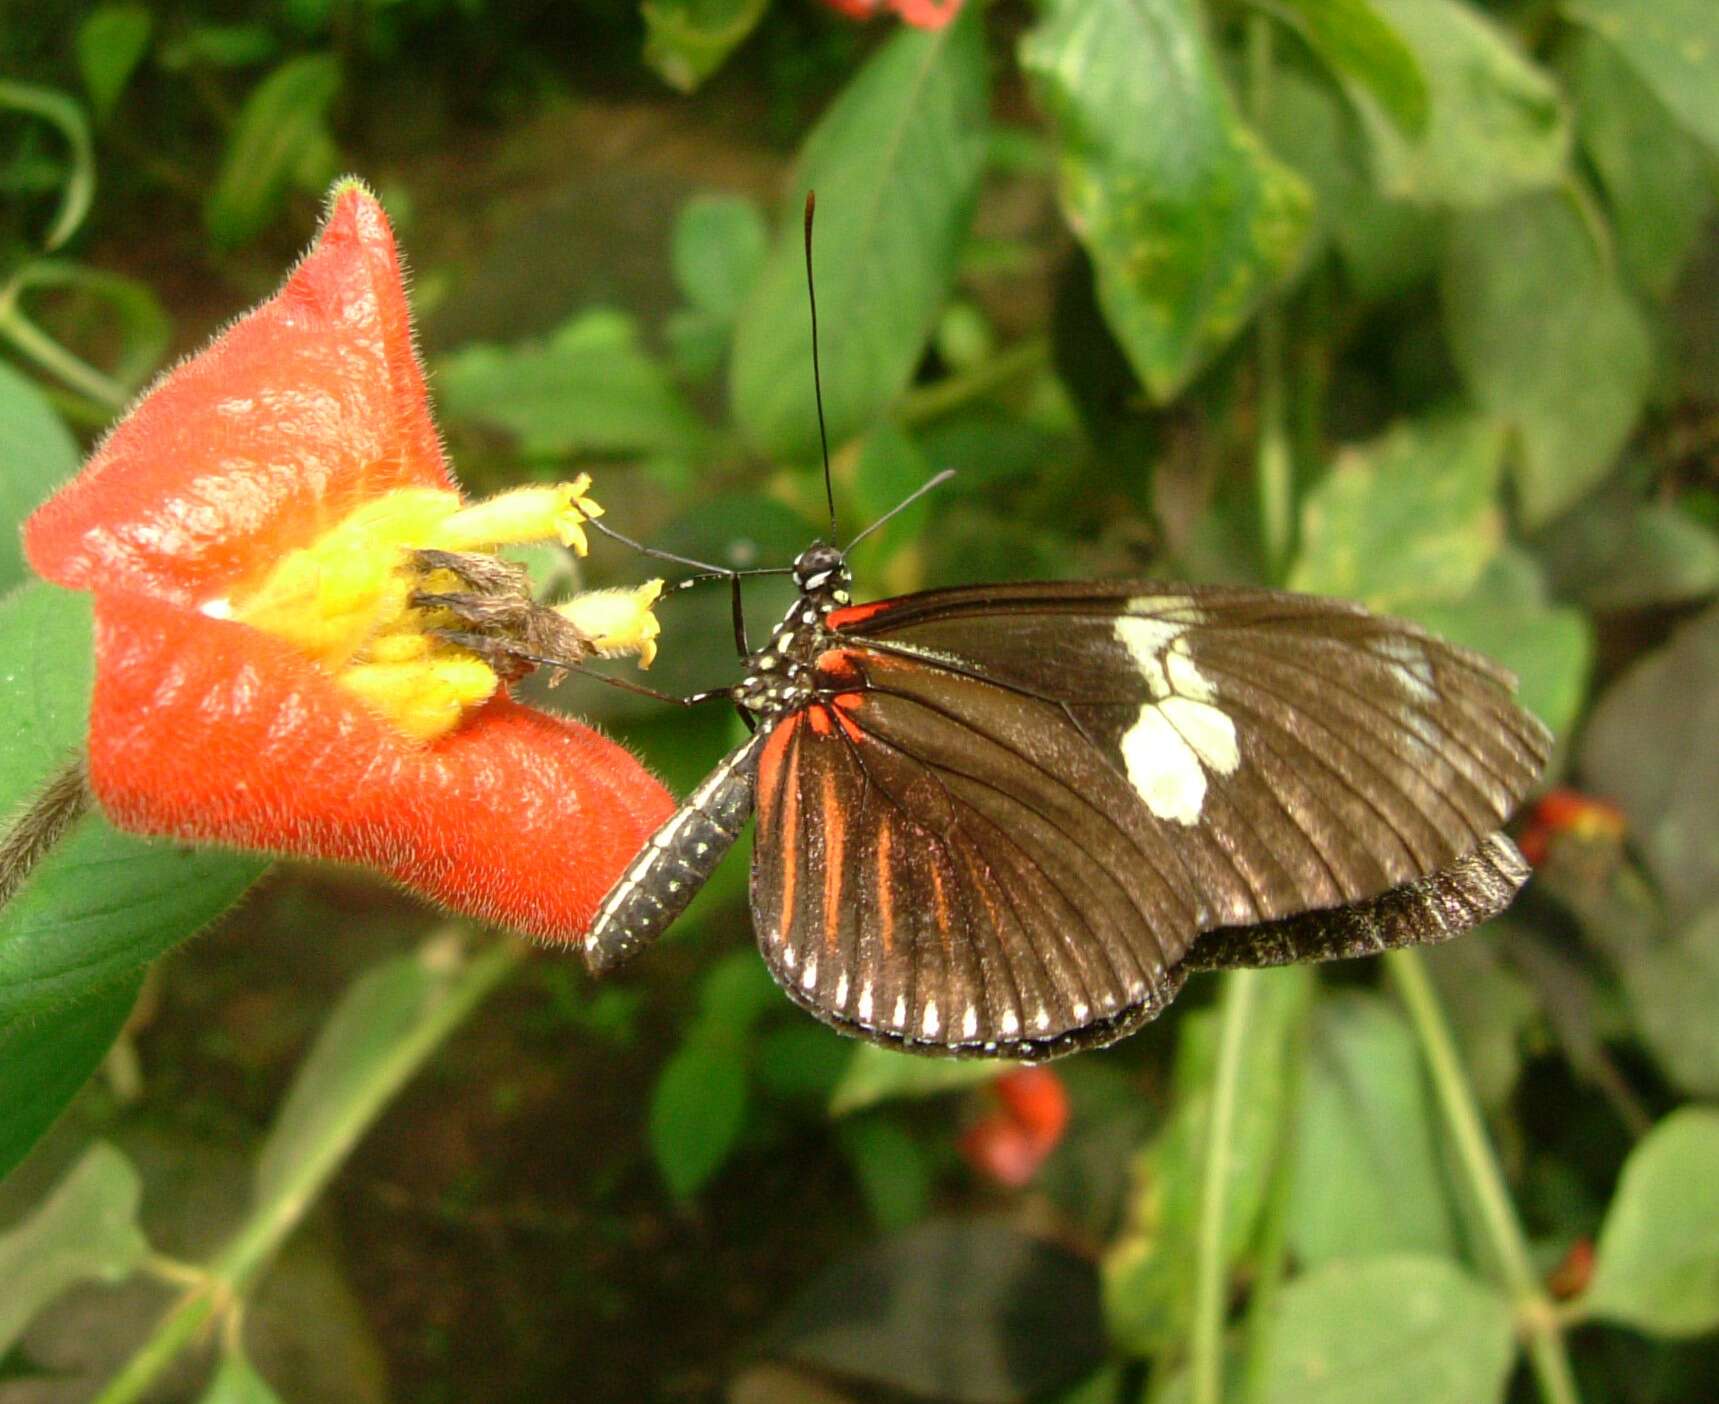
{"x":1274,"y":466}
{"x":1211,"y":1297}
{"x":257,"y":1240}
{"x":1537,"y":1316}
{"x":41,"y":348}
{"x":949,"y":394}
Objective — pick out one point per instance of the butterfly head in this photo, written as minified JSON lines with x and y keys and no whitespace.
{"x":822,"y":571}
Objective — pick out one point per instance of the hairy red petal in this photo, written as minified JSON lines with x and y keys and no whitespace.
{"x":210,"y":731}
{"x":302,"y":408}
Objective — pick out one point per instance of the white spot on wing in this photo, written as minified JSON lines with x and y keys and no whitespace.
{"x":899,"y":1017}
{"x":1011,"y":1023}
{"x":929,"y":1024}
{"x":865,"y":1002}
{"x":810,"y":976}
{"x":1179,"y":734}
{"x":970,"y":1022}
{"x":842,"y":989}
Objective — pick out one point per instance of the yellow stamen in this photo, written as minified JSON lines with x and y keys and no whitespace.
{"x":345,"y":599}
{"x":617,"y":622}
{"x":524,"y":515}
{"x":425,"y":697}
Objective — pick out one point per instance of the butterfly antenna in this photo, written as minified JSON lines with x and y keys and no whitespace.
{"x":903,"y":505}
{"x":817,"y":376}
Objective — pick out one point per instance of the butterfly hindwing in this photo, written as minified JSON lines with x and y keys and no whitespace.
{"x":921,"y":882}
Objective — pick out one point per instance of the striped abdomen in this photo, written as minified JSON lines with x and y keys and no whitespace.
{"x":677,"y":861}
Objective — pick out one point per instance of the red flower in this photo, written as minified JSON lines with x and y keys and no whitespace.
{"x":1568,"y":812}
{"x":924,"y":14}
{"x":261,"y":678}
{"x":1010,"y":1142}
{"x":1573,"y":1274}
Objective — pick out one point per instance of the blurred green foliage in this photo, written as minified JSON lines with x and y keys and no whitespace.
{"x":1405,"y":300}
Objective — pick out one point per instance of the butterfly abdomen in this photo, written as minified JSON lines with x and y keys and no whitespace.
{"x":671,"y":868}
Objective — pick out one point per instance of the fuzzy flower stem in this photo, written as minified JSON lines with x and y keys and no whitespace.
{"x":63,"y":801}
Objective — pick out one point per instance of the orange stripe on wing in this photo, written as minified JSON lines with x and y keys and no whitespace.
{"x":835,"y":837}
{"x":853,"y":614}
{"x":885,"y":892}
{"x":837,"y":665}
{"x":770,"y":765}
{"x":788,"y":837}
{"x":939,"y":901}
{"x":850,"y":728}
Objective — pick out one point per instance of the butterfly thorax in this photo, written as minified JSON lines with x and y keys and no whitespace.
{"x":779,"y":676}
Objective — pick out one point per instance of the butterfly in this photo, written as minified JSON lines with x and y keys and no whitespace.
{"x":1010,"y":820}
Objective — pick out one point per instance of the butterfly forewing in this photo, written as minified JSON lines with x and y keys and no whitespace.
{"x":1014,"y":810}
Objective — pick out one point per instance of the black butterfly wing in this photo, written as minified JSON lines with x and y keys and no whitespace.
{"x":1307,"y":752}
{"x":1032,"y":801}
{"x":952,"y":879}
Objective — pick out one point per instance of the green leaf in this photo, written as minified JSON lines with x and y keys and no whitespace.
{"x":734,"y":995}
{"x":60,"y":111}
{"x":891,"y":465}
{"x":110,"y":43}
{"x":1388,"y":1328}
{"x":1188,"y":219}
{"x":1656,"y":1266}
{"x":688,"y":40}
{"x":1387,"y":246}
{"x":219,"y":46}
{"x":1508,"y":618}
{"x":1672,"y":981}
{"x":1409,"y":518}
{"x":891,"y":1170}
{"x":1367,"y":1178}
{"x":589,"y":388}
{"x":895,"y":162}
{"x":45,"y":1060}
{"x":1149,"y":1269}
{"x":1359,"y":44}
{"x":719,"y":247}
{"x":1613,"y":554}
{"x":1673,"y":45}
{"x":875,"y":1074}
{"x":85,"y":1231}
{"x":697,"y":1111}
{"x":1654,"y":174}
{"x":103,"y":904}
{"x":968,"y":1311}
{"x":237,"y":1382}
{"x":1547,"y":340}
{"x":375,"y":1015}
{"x":39,"y":455}
{"x":1496,"y":125}
{"x":285,"y":115}
{"x":1641,"y":750}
